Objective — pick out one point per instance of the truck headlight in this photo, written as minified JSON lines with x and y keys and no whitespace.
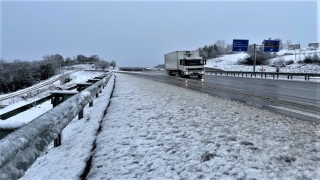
{"x":186,"y":72}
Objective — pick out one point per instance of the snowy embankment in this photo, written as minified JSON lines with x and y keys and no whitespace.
{"x":229,"y":62}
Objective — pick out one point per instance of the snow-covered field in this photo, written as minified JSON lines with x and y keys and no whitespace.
{"x":152,"y":132}
{"x":229,"y":62}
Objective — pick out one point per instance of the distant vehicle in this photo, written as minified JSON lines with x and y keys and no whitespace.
{"x":184,"y":63}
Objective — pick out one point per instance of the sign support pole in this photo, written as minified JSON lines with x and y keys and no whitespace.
{"x":254,"y":62}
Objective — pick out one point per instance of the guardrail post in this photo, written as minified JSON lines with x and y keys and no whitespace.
{"x":265,"y":76}
{"x":80,"y":114}
{"x":261,"y":75}
{"x":59,"y":97}
{"x":57,"y":141}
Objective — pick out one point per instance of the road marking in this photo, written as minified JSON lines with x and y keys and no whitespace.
{"x":297,"y":111}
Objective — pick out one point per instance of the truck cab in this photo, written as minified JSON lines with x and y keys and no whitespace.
{"x":192,"y":67}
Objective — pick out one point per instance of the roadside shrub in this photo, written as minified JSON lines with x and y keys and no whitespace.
{"x":280,"y":62}
{"x":308,"y":59}
{"x":300,"y":62}
{"x":289,"y":62}
{"x":249,"y":60}
{"x":316,"y":58}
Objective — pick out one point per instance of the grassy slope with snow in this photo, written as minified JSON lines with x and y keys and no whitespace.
{"x":229,"y":62}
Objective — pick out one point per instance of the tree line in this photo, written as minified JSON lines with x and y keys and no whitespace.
{"x":21,"y":74}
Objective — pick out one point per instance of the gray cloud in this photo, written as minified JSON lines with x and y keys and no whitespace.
{"x":140,"y":33}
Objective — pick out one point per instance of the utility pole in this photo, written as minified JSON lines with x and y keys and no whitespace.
{"x":254,"y":62}
{"x":255,"y":56}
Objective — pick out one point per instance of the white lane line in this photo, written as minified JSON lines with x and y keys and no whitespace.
{"x":297,"y":111}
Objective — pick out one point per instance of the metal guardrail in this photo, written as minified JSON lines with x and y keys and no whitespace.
{"x":21,"y":148}
{"x":263,"y":74}
{"x":35,"y":87}
{"x":14,"y":112}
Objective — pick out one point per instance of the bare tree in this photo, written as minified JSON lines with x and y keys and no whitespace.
{"x":2,"y":62}
{"x":288,"y":43}
{"x":221,"y":44}
{"x":281,"y":45}
{"x":113,"y":64}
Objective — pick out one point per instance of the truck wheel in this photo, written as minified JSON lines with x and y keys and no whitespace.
{"x":200,"y":76}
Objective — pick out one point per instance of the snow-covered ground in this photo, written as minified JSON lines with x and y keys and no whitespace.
{"x":156,"y":131}
{"x":229,"y":62}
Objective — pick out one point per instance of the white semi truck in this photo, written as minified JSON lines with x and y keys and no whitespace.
{"x":184,"y":63}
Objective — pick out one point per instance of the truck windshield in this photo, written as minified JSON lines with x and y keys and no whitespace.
{"x":194,"y":62}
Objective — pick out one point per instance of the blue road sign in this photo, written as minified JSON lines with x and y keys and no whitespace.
{"x":240,"y":45}
{"x":271,"y":46}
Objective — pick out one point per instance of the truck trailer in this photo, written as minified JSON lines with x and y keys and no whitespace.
{"x":184,"y":63}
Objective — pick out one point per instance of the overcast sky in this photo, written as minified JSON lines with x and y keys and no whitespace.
{"x":139,"y":33}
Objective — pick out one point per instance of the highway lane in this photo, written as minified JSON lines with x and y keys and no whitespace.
{"x":300,"y":99}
